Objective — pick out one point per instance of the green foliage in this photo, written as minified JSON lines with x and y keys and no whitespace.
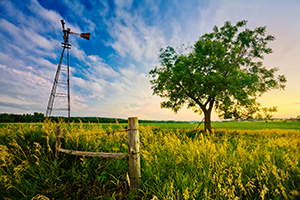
{"x":29,"y":167}
{"x":266,"y":113}
{"x":224,"y":165}
{"x":36,"y":117}
{"x":176,"y":163}
{"x":39,"y":117}
{"x":222,"y":70}
{"x":257,"y":125}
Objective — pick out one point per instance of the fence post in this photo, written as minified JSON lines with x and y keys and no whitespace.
{"x":134,"y":155}
{"x":58,"y":141}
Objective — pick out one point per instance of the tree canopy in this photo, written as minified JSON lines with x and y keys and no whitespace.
{"x":223,"y":70}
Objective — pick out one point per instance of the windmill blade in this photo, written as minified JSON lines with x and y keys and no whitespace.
{"x":85,"y":35}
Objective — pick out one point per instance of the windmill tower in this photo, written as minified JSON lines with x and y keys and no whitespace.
{"x":60,"y":93}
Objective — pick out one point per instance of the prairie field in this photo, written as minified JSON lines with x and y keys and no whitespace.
{"x":237,"y":161}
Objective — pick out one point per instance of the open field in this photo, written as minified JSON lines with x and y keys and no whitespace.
{"x":176,"y":163}
{"x":247,"y":125}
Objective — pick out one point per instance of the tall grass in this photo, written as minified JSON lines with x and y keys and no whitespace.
{"x":31,"y":169}
{"x":176,"y":164}
{"x":224,"y":165}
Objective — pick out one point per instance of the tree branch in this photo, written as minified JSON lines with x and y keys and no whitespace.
{"x":203,"y":107}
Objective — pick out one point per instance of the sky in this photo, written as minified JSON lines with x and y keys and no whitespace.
{"x":109,"y":72}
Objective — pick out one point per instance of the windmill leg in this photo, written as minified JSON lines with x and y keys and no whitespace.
{"x":68,"y":83}
{"x":52,"y":95}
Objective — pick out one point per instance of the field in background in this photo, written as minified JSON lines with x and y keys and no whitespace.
{"x":176,"y":161}
{"x":233,"y":125}
{"x":215,"y":125}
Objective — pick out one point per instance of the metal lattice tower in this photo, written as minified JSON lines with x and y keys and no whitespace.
{"x":61,"y":84}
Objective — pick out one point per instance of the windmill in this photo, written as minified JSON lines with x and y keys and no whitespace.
{"x":61,"y":84}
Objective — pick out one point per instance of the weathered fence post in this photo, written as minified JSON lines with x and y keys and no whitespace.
{"x":134,"y":155}
{"x":58,"y":141}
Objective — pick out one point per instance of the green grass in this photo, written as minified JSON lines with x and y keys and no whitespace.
{"x":215,"y":125}
{"x":176,"y":162}
{"x":247,"y":125}
{"x":257,"y":125}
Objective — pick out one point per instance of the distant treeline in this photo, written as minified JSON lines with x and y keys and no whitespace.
{"x":36,"y":117}
{"x":40,"y":117}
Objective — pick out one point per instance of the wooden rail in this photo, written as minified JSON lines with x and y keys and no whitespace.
{"x":85,"y":153}
{"x":134,"y":153}
{"x":93,"y":154}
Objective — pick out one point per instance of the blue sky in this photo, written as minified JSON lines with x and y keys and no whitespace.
{"x":109,"y":72}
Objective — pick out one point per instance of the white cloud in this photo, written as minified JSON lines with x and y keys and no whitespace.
{"x":132,"y":37}
{"x":48,"y":15}
{"x":11,"y":29}
{"x":89,"y":86}
{"x":38,"y":40}
{"x":23,"y":89}
{"x":75,"y":6}
{"x":32,"y":80}
{"x":3,"y":66}
{"x":8,"y":60}
{"x":79,"y":54}
{"x":80,"y":14}
{"x":100,"y":69}
{"x":14,"y":100}
{"x":123,"y":4}
{"x":94,"y":58}
{"x":42,"y":62}
{"x":27,"y":39}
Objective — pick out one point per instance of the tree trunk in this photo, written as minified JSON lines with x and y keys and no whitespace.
{"x":207,"y":122}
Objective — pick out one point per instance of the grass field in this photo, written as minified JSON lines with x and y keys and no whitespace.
{"x":215,"y":125}
{"x":245,"y":160}
{"x":233,"y":125}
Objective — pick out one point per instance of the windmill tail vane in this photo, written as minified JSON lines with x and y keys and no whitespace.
{"x":59,"y":99}
{"x":85,"y":36}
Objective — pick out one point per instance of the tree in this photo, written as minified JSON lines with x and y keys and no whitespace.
{"x":223,"y":70}
{"x":266,"y":113}
{"x":38,"y":117}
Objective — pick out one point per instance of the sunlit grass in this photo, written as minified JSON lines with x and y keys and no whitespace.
{"x":176,"y":163}
{"x":224,"y":165}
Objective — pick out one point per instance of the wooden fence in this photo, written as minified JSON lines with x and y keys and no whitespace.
{"x":133,"y":154}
